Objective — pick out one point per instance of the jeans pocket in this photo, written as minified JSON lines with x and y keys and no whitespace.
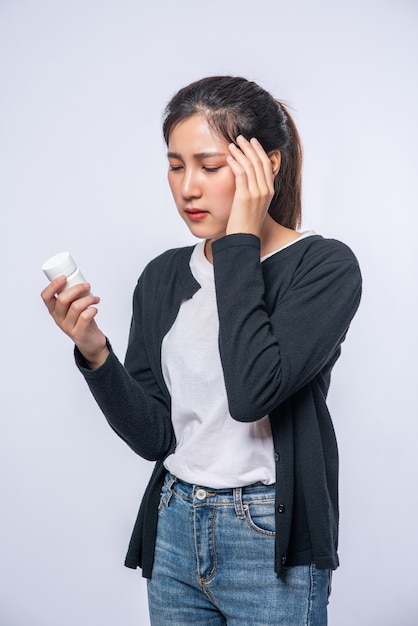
{"x":260,"y":516}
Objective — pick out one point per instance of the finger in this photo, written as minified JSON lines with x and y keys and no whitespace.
{"x":48,"y":294}
{"x":73,"y":293}
{"x":56,"y":287}
{"x":260,"y":159}
{"x":253,"y":158}
{"x":86,"y":333}
{"x":67,"y":313}
{"x":85,"y":318}
{"x":241,"y":179}
{"x":65,"y":298}
{"x":262,"y":165}
{"x":246,"y":164}
{"x":266,"y":162}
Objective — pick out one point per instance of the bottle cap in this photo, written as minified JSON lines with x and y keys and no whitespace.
{"x":61,"y":264}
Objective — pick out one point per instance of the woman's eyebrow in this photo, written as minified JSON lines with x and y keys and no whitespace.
{"x":198,"y":155}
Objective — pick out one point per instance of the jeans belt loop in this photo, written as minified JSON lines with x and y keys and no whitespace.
{"x":172,"y":479}
{"x":239,"y":508}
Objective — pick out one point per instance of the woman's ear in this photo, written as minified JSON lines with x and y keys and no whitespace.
{"x":275,"y":159}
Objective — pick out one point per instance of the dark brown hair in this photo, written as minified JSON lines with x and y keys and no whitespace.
{"x":236,"y":106}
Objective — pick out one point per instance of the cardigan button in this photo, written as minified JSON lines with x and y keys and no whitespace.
{"x":276,"y":456}
{"x":281,"y":508}
{"x":283,"y":560}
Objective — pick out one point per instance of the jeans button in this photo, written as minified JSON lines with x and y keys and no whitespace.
{"x":201,"y":494}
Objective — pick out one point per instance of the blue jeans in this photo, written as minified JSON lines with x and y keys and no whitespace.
{"x":214,"y":563}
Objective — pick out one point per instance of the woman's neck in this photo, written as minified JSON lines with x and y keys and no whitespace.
{"x":274,"y":236}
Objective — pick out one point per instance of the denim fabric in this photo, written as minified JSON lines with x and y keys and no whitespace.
{"x":214,"y":563}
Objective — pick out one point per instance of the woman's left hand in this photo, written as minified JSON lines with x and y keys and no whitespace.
{"x":254,"y":191}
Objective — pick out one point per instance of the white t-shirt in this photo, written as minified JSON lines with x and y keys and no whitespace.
{"x":213,"y":449}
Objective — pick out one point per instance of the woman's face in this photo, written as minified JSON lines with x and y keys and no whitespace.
{"x":201,"y":181}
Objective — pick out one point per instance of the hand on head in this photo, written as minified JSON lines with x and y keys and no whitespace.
{"x":254,"y":172}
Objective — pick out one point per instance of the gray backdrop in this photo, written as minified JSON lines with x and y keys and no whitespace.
{"x":83,"y":167}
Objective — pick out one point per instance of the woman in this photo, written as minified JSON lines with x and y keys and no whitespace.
{"x":228,"y":366}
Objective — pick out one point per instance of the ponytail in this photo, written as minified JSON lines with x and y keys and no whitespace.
{"x":286,"y":205}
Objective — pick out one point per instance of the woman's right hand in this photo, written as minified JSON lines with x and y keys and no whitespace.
{"x":73,"y":311}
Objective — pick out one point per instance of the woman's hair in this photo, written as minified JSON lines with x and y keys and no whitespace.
{"x":236,"y":106}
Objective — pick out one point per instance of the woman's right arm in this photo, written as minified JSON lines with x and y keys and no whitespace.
{"x":133,"y":403}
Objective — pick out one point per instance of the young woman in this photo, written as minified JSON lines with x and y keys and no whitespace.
{"x":228,"y":366}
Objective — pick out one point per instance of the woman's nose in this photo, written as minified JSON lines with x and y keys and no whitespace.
{"x":190,"y":187}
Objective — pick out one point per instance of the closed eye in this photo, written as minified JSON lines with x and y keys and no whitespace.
{"x":211,"y":169}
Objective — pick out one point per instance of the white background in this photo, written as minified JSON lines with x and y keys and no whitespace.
{"x":82,"y":164}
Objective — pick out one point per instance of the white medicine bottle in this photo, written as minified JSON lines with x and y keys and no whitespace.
{"x":63,"y":264}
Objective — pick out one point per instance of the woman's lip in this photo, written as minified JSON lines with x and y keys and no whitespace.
{"x":196,"y":214}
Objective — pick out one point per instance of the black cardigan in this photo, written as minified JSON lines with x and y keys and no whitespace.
{"x":281,"y":324}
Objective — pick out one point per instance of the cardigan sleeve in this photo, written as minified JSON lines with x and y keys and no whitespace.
{"x":130,"y":396}
{"x":268,"y":354}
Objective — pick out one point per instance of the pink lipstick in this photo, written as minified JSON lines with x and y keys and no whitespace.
{"x":196,"y":214}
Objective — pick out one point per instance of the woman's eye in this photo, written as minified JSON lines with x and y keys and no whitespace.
{"x":175,"y":168}
{"x":211,"y":169}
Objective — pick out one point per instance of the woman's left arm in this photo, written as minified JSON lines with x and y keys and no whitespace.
{"x":268,"y":353}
